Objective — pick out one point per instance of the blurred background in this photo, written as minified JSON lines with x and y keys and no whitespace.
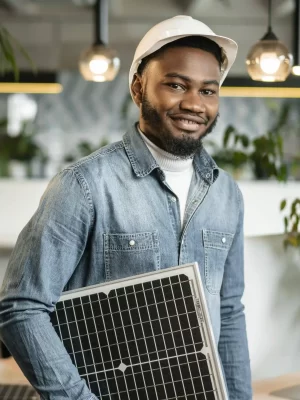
{"x":257,"y":138}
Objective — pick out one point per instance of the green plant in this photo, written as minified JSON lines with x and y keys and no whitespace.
{"x":21,"y":147}
{"x":291,"y":223}
{"x":9,"y":47}
{"x":263,"y":153}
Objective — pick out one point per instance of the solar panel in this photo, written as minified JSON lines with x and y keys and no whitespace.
{"x":145,"y":337}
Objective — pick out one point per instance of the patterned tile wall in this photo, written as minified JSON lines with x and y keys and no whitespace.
{"x":94,"y":111}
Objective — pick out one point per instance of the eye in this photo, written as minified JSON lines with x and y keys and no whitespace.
{"x":175,"y":86}
{"x":208,"y":92}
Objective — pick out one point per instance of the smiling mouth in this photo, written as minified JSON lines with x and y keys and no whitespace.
{"x":190,"y":125}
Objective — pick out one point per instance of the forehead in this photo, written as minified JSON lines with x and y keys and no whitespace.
{"x":196,"y":63}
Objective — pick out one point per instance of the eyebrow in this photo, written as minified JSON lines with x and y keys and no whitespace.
{"x":186,"y":78}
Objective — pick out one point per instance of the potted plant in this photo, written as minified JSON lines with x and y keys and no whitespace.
{"x":18,"y":152}
{"x":264,"y":153}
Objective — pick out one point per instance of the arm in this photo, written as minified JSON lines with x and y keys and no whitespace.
{"x":44,"y":258}
{"x":233,"y":346}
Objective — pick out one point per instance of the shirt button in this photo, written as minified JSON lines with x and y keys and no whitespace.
{"x":131,"y":243}
{"x":223,"y":240}
{"x":207,"y":176}
{"x":174,"y":199}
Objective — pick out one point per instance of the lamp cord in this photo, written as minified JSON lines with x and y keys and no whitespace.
{"x":270,"y":16}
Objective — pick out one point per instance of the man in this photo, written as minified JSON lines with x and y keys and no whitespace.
{"x":153,"y":200}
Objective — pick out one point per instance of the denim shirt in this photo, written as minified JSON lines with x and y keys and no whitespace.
{"x":80,"y":236}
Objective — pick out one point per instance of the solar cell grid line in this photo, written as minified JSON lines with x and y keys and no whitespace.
{"x":182,"y":336}
{"x":154,"y":320}
{"x":200,"y":374}
{"x":108,"y":314}
{"x":123,"y":328}
{"x":119,"y":350}
{"x":97,"y":338}
{"x":207,"y":356}
{"x":80,"y":342}
{"x":165,"y":343}
{"x":144,"y":337}
{"x":193,"y":343}
{"x":90,"y":348}
{"x":68,"y":327}
{"x":135,"y":340}
{"x":111,"y":358}
{"x":168,"y":313}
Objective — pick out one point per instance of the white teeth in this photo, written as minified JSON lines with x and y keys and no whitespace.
{"x":187,"y":121}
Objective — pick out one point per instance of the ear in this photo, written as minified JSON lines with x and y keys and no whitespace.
{"x":137,"y":89}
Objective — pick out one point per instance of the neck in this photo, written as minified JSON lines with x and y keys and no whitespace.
{"x":167,"y":161}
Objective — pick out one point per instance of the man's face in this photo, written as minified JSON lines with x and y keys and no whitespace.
{"x":179,"y":99}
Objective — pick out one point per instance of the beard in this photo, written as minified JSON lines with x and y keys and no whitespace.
{"x":183,"y":147}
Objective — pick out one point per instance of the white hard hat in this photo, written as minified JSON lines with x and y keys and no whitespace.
{"x":176,"y":28}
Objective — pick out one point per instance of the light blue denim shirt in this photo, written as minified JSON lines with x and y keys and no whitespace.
{"x":79,"y":236}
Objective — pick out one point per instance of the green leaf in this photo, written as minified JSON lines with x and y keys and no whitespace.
{"x":286,"y":223}
{"x":236,"y":139}
{"x":8,"y":52}
{"x":295,"y":224}
{"x":228,"y":132}
{"x":244,"y":140}
{"x":21,"y":50}
{"x":283,"y":204}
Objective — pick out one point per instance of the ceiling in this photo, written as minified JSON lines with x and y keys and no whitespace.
{"x":54,"y":32}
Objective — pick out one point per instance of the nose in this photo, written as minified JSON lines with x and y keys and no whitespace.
{"x":193,"y":102}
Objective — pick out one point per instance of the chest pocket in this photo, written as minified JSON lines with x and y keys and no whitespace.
{"x":216,"y":247}
{"x":129,"y":254}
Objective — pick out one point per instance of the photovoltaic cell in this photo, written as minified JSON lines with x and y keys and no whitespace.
{"x":144,"y":338}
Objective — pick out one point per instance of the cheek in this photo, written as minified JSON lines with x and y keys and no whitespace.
{"x":213,"y":107}
{"x":162,"y":100}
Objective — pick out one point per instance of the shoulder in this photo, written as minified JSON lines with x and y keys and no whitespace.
{"x":99,"y":161}
{"x":80,"y":175}
{"x":228,"y":189}
{"x":100,"y":155}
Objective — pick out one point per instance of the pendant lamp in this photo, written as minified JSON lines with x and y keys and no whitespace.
{"x":99,"y":63}
{"x":269,"y":59}
{"x":296,"y":67}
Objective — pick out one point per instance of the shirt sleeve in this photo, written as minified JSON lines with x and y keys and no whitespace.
{"x":45,"y":256}
{"x":233,"y":344}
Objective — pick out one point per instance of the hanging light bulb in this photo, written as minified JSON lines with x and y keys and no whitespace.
{"x":269,"y":59}
{"x":296,"y":67}
{"x":99,"y":63}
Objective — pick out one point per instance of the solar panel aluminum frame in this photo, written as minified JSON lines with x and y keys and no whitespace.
{"x":192,"y":272}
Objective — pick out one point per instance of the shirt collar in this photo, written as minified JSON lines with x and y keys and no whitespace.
{"x":143,"y":162}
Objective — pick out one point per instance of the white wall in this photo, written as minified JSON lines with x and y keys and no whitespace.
{"x":272,"y":301}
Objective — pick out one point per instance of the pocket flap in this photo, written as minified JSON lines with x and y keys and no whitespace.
{"x":217,"y":240}
{"x":131,"y":241}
